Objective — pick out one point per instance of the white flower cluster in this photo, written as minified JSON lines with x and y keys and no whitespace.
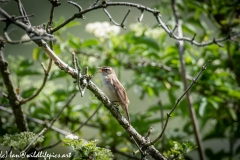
{"x":154,"y":32}
{"x":140,"y":29}
{"x":102,"y":29}
{"x":71,"y":136}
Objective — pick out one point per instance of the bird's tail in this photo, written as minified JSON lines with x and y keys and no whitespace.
{"x":126,"y":112}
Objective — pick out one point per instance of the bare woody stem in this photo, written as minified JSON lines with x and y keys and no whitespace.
{"x":142,"y":8}
{"x":103,"y":98}
{"x":14,"y":99}
{"x":176,"y":104}
{"x":192,"y":113}
{"x":38,"y":121}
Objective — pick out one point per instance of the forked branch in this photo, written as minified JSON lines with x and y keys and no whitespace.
{"x":176,"y":104}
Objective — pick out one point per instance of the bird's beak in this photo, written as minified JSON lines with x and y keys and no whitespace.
{"x":100,"y":70}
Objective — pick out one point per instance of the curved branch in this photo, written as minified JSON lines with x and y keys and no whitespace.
{"x":104,"y":99}
{"x":142,"y":8}
{"x":83,"y":124}
{"x":89,"y":118}
{"x":38,"y":121}
{"x":192,"y":113}
{"x":33,"y":32}
{"x":23,"y":12}
{"x":76,"y":5}
{"x":178,"y":100}
{"x":46,"y":71}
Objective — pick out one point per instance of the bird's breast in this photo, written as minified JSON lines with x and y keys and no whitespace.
{"x":109,"y":89}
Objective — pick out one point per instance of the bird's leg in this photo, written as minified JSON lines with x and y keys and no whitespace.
{"x":115,"y":104}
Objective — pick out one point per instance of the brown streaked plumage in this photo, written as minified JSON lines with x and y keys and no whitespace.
{"x":114,"y":89}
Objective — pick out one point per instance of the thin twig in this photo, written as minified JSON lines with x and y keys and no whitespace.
{"x":172,"y":32}
{"x":20,"y":17}
{"x":25,"y":100}
{"x":124,"y":19}
{"x":76,"y":5}
{"x":46,"y":71}
{"x":55,"y":3}
{"x":85,"y":80}
{"x":94,"y":3}
{"x":103,"y":98}
{"x":23,"y":12}
{"x":60,"y":112}
{"x":162,"y":122}
{"x":49,"y":24}
{"x":50,"y":146}
{"x":141,"y":16}
{"x":139,"y":148}
{"x":110,"y":17}
{"x":178,"y":100}
{"x":74,"y":60}
{"x":56,"y":117}
{"x":79,"y":75}
{"x":141,"y":7}
{"x":83,"y":124}
{"x":35,"y":33}
{"x":9,"y":40}
{"x":193,"y":38}
{"x":128,"y":156}
{"x":148,"y":133}
{"x":35,"y":138}
{"x":89,"y":118}
{"x":38,"y":121}
{"x":192,"y":113}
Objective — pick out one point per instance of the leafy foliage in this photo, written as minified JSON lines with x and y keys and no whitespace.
{"x":179,"y":150}
{"x":153,"y":74}
{"x":20,"y":140}
{"x":86,"y":149}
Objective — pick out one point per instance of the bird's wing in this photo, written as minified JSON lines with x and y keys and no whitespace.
{"x":121,"y":92}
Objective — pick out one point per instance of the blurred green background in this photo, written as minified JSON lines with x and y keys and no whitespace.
{"x":147,"y":62}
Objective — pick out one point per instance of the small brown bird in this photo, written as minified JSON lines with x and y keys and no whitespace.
{"x":114,"y":89}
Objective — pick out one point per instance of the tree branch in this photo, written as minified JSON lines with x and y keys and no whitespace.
{"x":89,"y":118}
{"x":60,"y":112}
{"x":184,"y":79}
{"x":32,"y":119}
{"x":12,"y":96}
{"x":23,"y":12}
{"x":142,"y":8}
{"x":46,"y":71}
{"x":103,"y":98}
{"x":83,"y":124}
{"x":178,"y":101}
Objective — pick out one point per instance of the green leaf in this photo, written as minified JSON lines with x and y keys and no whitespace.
{"x":36,"y":53}
{"x":189,"y":28}
{"x":147,"y":41}
{"x":90,"y":43}
{"x":27,"y":72}
{"x":72,"y":24}
{"x":214,"y":104}
{"x":26,"y":63}
{"x":234,"y":93}
{"x":56,"y":74}
{"x":202,"y":108}
{"x":233,"y":114}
